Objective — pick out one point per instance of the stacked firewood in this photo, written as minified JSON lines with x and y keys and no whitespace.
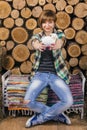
{"x":1,"y":115}
{"x":18,"y":21}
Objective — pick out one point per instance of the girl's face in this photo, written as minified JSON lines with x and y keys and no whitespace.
{"x":48,"y":26}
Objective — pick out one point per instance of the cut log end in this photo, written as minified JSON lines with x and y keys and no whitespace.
{"x":74,"y":50}
{"x":69,"y":33}
{"x":19,"y":34}
{"x":81,"y":37}
{"x":73,"y":62}
{"x":20,"y":53}
{"x":83,"y":62}
{"x":63,"y":20}
{"x":16,"y":71}
{"x":26,"y":67}
{"x":8,"y":62}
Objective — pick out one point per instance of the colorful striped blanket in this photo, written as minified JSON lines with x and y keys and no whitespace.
{"x":76,"y":89}
{"x":16,"y":88}
{"x":17,"y":85}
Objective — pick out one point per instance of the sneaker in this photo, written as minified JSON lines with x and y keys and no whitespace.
{"x":32,"y":121}
{"x":29,"y":121}
{"x":63,"y":118}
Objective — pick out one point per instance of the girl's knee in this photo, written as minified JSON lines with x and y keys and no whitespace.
{"x":25,"y":102}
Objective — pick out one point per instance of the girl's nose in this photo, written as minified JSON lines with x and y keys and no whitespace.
{"x":47,"y":24}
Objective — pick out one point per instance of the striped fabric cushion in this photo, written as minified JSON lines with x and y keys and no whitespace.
{"x":16,"y":88}
{"x":76,"y":89}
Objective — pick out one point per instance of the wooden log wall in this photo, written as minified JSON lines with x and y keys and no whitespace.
{"x":1,"y":115}
{"x":18,"y":21}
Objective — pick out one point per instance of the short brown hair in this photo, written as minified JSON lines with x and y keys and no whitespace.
{"x":46,"y":15}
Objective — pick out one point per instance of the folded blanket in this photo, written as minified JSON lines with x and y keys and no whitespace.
{"x":16,"y":88}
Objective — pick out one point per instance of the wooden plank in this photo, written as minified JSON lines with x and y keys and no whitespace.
{"x":18,"y":123}
{"x":49,"y":126}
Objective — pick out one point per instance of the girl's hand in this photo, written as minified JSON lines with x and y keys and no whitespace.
{"x":38,"y":45}
{"x":57,"y":45}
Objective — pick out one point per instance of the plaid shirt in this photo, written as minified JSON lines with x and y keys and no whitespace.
{"x":59,"y":63}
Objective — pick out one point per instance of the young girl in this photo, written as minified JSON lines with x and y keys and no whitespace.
{"x":51,"y":70}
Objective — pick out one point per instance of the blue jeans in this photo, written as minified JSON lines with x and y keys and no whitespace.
{"x":38,"y":83}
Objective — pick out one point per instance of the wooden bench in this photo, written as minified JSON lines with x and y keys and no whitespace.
{"x":14,"y":88}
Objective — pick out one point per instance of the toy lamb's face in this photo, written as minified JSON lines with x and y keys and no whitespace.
{"x":48,"y":40}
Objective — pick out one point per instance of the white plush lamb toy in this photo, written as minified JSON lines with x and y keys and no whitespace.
{"x":48,"y":40}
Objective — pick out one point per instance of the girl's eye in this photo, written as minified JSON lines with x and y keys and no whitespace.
{"x":48,"y":22}
{"x":51,"y":22}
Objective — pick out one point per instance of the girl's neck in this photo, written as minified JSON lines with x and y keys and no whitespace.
{"x":47,"y":33}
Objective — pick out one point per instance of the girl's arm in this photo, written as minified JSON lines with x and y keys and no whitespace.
{"x":37,"y":45}
{"x":58,"y":44}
